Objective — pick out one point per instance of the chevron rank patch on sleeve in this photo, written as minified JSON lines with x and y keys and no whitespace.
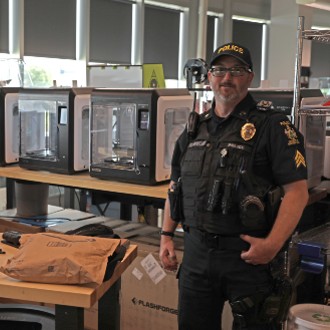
{"x":299,"y":159}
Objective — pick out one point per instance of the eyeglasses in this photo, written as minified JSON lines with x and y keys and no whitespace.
{"x":236,"y":71}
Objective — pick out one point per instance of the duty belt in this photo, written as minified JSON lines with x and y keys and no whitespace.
{"x":219,"y":242}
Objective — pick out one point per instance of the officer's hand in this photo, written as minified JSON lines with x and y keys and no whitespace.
{"x":260,"y":251}
{"x":167,"y":254}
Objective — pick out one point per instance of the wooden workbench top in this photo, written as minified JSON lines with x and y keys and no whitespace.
{"x":69,"y":295}
{"x":84,"y":181}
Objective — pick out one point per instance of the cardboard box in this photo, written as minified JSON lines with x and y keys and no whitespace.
{"x":3,"y":198}
{"x":91,"y":318}
{"x":148,"y":300}
{"x":149,"y":294}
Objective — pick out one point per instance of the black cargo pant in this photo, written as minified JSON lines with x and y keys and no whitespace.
{"x":212,"y":273}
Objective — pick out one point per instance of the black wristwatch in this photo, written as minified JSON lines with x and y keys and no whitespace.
{"x":166,"y":233}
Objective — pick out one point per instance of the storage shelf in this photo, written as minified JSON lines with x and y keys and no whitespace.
{"x":322,"y":36}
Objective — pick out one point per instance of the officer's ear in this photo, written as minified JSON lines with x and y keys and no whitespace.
{"x":251,"y":76}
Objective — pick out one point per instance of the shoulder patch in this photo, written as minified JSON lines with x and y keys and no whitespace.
{"x":264,"y":105}
{"x":290,"y":132}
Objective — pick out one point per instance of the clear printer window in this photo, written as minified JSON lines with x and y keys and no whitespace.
{"x":175,"y":121}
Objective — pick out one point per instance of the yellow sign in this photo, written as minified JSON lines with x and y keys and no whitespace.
{"x":153,"y":76}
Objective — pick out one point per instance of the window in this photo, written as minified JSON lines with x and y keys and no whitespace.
{"x":249,"y":34}
{"x":110,"y":32}
{"x":210,"y":37}
{"x":4,"y":42}
{"x":161,"y":39}
{"x":45,"y":71}
{"x":11,"y":72}
{"x":50,"y":28}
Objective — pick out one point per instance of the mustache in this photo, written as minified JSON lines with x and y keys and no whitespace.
{"x":226,"y":84}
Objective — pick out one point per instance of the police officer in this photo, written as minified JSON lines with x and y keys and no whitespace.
{"x":224,"y":170}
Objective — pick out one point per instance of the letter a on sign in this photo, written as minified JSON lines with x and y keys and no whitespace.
{"x":153,"y":76}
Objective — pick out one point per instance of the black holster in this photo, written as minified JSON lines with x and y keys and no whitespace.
{"x":273,"y":202}
{"x":176,"y":202}
{"x":247,"y":310}
{"x":263,"y":308}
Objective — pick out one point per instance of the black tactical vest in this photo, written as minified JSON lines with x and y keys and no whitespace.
{"x":220,"y":193}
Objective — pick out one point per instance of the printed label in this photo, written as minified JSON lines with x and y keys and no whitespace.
{"x":153,"y":268}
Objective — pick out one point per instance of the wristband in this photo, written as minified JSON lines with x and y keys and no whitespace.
{"x":166,"y":233}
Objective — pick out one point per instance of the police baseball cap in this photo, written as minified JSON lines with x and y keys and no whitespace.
{"x":235,"y":50}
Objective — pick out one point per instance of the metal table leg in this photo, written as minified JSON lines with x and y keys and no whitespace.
{"x":68,"y":317}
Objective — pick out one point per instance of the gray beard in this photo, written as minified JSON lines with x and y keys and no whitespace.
{"x":227,"y":99}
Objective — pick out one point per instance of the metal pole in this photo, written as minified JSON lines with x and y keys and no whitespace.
{"x":202,"y":27}
{"x":227,"y":21}
{"x":137,"y":33}
{"x":296,"y":91}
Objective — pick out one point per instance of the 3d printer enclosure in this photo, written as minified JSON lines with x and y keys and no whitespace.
{"x":9,"y":121}
{"x":133,"y":132}
{"x":54,"y":129}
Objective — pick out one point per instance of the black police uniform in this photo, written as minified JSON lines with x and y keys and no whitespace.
{"x":226,"y":171}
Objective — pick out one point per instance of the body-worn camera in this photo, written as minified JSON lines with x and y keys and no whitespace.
{"x":252,"y":211}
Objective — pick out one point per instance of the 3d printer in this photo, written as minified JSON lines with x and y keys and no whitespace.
{"x":133,"y":132}
{"x":9,"y":121}
{"x":54,"y":126}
